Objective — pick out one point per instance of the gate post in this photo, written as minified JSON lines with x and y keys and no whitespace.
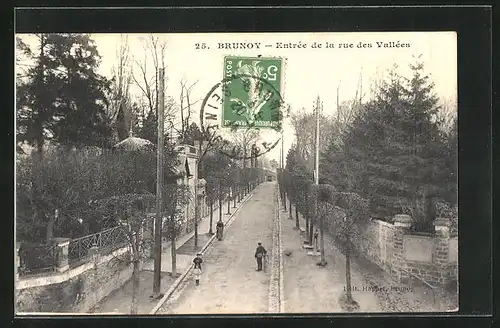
{"x":62,"y":247}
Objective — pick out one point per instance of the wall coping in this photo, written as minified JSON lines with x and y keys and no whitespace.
{"x":402,"y":218}
{"x":61,"y":242}
{"x":30,"y":282}
{"x":419,"y":236}
{"x":380,"y":222}
{"x":442,"y":222}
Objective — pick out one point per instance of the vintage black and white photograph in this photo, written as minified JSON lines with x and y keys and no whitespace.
{"x":236,"y":173}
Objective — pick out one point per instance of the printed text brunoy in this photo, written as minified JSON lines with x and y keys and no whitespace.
{"x":315,"y":45}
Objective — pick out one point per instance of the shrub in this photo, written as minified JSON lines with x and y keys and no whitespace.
{"x":70,"y":180}
{"x":446,"y":210}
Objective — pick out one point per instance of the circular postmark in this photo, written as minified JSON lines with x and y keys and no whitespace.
{"x":262,"y":110}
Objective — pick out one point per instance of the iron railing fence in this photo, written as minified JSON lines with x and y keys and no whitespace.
{"x":36,"y":259}
{"x":107,"y":241}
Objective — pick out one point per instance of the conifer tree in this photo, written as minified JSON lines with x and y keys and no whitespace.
{"x":62,"y":97}
{"x":394,"y":152}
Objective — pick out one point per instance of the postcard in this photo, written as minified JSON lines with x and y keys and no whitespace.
{"x":236,"y":173}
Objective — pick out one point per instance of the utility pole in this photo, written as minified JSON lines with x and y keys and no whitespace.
{"x":159,"y":189}
{"x":282,"y":149}
{"x":196,"y":196}
{"x":316,"y":180}
{"x":281,"y":159}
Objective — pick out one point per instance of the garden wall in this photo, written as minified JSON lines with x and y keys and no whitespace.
{"x":430,"y":257}
{"x":76,"y":290}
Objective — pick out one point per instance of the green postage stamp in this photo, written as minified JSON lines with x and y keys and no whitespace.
{"x":251,"y":92}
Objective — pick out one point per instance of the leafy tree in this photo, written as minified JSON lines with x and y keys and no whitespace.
{"x":61,"y":97}
{"x":69,"y":181}
{"x":426,"y":144}
{"x":393,"y":151}
{"x":34,"y":99}
{"x":191,"y":134}
{"x":274,"y":164}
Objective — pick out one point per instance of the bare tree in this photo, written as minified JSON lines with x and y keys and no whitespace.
{"x":305,"y":126}
{"x":347,"y":110}
{"x":447,"y":113}
{"x":331,"y":126}
{"x":131,"y":209}
{"x":145,"y":78}
{"x":243,"y":139}
{"x":120,"y":111}
{"x":185,"y":109}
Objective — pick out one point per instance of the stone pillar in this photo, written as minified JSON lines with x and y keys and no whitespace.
{"x":62,"y":247}
{"x":402,"y":223}
{"x":441,"y":244}
{"x":94,"y":253}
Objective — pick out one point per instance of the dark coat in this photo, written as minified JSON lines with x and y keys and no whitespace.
{"x":197,"y":262}
{"x":260,"y":250}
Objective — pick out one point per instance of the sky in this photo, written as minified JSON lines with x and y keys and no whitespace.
{"x":308,"y":72}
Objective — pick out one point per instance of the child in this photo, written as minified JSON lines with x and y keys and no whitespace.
{"x":197,"y":268}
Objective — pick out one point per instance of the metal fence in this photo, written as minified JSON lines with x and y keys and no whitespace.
{"x":37,"y":259}
{"x":107,"y":241}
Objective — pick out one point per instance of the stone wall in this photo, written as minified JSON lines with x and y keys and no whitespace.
{"x":432,"y":257}
{"x":452,"y":267}
{"x":76,"y":290}
{"x":374,"y":241}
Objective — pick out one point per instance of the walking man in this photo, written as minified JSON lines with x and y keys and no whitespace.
{"x":197,"y":268}
{"x":260,"y":252}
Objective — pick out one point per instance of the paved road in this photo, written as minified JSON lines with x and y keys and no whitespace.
{"x":229,"y":283}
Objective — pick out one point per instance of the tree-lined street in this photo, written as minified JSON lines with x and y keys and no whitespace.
{"x":119,"y":164}
{"x":229,"y":282}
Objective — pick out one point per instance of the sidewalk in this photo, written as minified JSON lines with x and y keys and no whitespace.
{"x":229,"y":283}
{"x":119,"y":301}
{"x":310,"y":288}
{"x":413,"y":297}
{"x":183,"y":259}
